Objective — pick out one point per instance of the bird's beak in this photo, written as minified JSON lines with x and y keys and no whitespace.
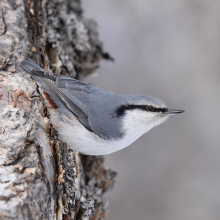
{"x":173,"y":112}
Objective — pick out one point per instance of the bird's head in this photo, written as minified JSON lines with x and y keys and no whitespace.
{"x":141,"y":113}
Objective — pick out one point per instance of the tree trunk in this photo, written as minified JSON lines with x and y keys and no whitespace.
{"x":40,"y":176}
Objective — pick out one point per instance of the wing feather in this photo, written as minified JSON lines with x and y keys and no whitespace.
{"x":74,"y":105}
{"x":94,"y":107}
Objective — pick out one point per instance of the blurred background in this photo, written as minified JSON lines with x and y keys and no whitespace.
{"x":170,"y":50}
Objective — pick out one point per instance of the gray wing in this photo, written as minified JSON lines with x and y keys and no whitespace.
{"x":94,"y":107}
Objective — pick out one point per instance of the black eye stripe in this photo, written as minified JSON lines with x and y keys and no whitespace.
{"x":122,"y":109}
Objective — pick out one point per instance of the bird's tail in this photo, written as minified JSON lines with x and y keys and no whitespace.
{"x":29,"y":65}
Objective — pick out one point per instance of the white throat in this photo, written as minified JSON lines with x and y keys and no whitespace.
{"x":137,"y":122}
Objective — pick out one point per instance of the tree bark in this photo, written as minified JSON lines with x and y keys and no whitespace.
{"x":40,"y":176}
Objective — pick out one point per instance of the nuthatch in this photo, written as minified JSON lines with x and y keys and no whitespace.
{"x":92,"y":120}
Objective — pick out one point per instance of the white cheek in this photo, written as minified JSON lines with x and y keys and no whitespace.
{"x":141,"y":121}
{"x":136,"y":119}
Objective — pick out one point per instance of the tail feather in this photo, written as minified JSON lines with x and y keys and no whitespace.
{"x":29,"y":65}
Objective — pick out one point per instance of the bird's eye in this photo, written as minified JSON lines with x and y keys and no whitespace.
{"x":151,"y":109}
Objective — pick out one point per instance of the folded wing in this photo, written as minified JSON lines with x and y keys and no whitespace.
{"x":89,"y":104}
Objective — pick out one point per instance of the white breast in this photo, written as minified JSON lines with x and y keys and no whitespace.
{"x":80,"y":139}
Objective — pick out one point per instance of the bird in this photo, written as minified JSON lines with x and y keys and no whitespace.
{"x":92,"y":120}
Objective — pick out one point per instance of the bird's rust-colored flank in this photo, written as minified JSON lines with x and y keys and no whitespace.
{"x":52,"y":104}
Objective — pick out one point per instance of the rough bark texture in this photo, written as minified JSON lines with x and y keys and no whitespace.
{"x":40,"y":176}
